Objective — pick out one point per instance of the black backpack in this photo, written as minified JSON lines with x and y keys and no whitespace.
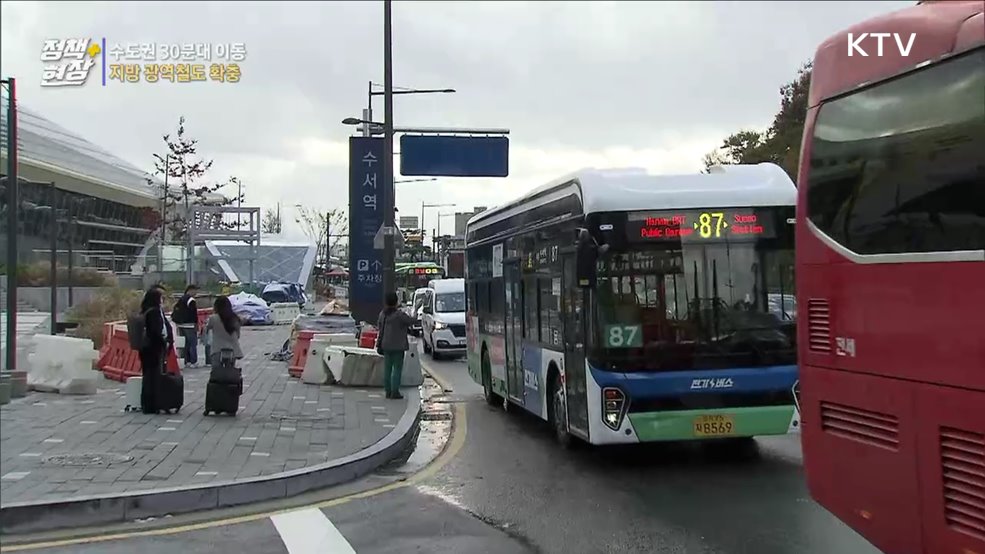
{"x":137,"y":330}
{"x":179,"y":314}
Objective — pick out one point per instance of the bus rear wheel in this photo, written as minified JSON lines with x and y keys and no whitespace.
{"x":557,"y":414}
{"x":492,"y":398}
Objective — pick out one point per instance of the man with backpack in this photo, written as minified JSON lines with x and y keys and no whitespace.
{"x":185,"y":316}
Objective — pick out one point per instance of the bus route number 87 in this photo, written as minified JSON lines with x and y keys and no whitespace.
{"x":623,"y":336}
{"x":705,"y":222}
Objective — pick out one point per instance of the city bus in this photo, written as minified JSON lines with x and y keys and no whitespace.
{"x":411,"y":276}
{"x":891,"y":280}
{"x":626,"y":307}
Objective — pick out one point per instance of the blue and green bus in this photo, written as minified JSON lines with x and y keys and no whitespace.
{"x":626,"y":307}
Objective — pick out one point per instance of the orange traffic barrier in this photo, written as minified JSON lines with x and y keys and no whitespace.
{"x":367,"y":339}
{"x":119,"y":362}
{"x":117,"y":359}
{"x":203,"y":316}
{"x":301,"y":347}
{"x":104,"y":348}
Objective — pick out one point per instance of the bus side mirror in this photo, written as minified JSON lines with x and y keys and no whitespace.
{"x":586,"y":257}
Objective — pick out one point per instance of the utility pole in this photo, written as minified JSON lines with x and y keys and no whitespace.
{"x":164,"y":217}
{"x":13,"y":209}
{"x":53,"y":202}
{"x":328,"y":241}
{"x":239,"y":203}
{"x":388,"y":214}
{"x":71,"y":241}
{"x":189,"y":222}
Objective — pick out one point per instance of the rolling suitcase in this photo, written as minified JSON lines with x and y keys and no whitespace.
{"x":171,"y":392}
{"x":225,"y":385}
{"x":132,"y":394}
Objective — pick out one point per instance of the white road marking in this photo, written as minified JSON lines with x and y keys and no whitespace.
{"x":53,"y":441}
{"x":310,"y":532}
{"x":16,"y":476}
{"x":30,"y":455}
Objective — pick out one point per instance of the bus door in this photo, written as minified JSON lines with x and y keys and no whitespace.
{"x":573,"y":316}
{"x":513,"y":330}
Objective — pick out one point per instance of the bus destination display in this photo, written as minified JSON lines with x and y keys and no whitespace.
{"x":730,"y":224}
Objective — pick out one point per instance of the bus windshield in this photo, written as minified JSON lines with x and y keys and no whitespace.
{"x":689,"y":303}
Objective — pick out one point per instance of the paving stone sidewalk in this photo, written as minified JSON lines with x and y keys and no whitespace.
{"x":54,"y":447}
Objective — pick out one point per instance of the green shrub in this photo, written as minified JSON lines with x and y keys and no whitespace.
{"x":113,"y":304}
{"x":39,"y":275}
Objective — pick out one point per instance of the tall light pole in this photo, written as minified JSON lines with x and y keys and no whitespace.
{"x":370,"y":93}
{"x":388,"y":214}
{"x":13,"y":209}
{"x":423,"y":205}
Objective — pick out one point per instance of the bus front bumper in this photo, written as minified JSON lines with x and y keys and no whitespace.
{"x":715,"y":424}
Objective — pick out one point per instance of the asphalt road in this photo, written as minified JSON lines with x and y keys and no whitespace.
{"x":504,"y":486}
{"x":659,"y":498}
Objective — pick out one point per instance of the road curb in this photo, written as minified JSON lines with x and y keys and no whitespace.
{"x":32,"y":517}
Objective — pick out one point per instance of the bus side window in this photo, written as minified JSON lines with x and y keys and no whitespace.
{"x":531,"y":320}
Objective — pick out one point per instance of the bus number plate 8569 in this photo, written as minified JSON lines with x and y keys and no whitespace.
{"x":714,"y":426}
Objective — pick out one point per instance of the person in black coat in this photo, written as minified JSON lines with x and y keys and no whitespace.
{"x":153,"y":355}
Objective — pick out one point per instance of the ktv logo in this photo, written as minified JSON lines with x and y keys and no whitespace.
{"x":855,"y":43}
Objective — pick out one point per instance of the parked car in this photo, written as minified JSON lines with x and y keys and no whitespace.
{"x":415,"y":310}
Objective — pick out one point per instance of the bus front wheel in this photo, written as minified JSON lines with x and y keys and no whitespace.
{"x":492,"y":398}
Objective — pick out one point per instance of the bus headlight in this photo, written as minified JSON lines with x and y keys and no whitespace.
{"x":613,"y":407}
{"x":439,"y":326}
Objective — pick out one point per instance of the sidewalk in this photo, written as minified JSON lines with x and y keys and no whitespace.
{"x":56,"y":448}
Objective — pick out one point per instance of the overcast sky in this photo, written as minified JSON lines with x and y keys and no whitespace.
{"x":604,"y":84}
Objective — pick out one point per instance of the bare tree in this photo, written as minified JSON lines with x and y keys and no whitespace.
{"x":271,"y":222}
{"x":183,"y":170}
{"x":314,"y":225}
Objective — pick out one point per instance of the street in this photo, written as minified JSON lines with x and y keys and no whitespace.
{"x":508,"y":488}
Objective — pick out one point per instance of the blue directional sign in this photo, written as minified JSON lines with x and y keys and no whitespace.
{"x":454,"y":156}
{"x":366,"y":201}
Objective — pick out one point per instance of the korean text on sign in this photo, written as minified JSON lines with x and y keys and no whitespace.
{"x":67,"y":62}
{"x":174,"y":73}
{"x":175,"y":53}
{"x":369,"y":200}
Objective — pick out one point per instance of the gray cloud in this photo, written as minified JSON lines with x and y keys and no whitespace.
{"x":652,"y":84}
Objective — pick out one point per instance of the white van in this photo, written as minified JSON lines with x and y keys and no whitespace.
{"x":443,"y":318}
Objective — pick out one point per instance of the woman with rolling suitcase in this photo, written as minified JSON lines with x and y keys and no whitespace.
{"x":225,"y":380}
{"x":153,"y":349}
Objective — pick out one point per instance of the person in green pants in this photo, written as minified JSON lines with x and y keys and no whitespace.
{"x":394,"y":325}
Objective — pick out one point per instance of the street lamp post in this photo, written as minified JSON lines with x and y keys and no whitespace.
{"x":13,"y":207}
{"x":388,"y":215}
{"x":370,"y":93}
{"x":423,"y":205}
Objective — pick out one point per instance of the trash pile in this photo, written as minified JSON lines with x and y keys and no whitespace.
{"x":251,"y":309}
{"x":328,"y":323}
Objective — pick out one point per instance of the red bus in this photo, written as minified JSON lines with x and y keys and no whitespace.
{"x":890,"y":266}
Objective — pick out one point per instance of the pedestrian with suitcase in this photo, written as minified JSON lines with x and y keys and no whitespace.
{"x":153,"y":348}
{"x":225,"y":380}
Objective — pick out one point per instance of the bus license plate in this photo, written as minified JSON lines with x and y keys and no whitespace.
{"x":714,"y":426}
